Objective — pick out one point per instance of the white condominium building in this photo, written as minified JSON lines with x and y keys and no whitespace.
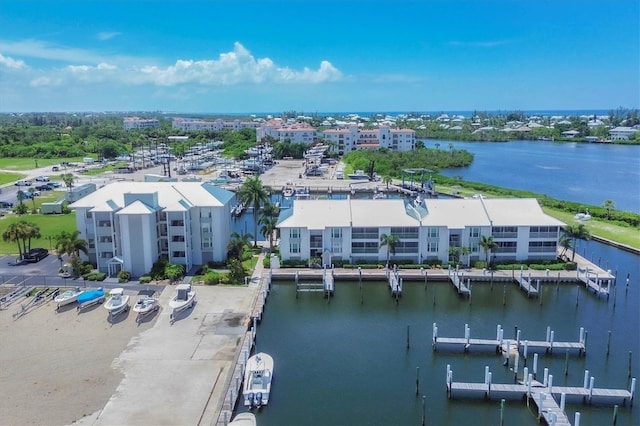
{"x":352,"y":138}
{"x":350,"y":229}
{"x":192,"y":124}
{"x":129,"y":225}
{"x":138,"y":123}
{"x":296,"y":132}
{"x":622,"y":133}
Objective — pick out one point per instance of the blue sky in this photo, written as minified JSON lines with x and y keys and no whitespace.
{"x":319,"y":56}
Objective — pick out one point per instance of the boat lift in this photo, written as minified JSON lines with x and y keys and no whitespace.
{"x":416,"y":180}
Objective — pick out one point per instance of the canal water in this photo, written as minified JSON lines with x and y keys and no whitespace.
{"x":346,"y":362}
{"x":572,"y":171}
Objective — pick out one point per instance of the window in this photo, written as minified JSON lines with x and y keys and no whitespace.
{"x":205,"y":228}
{"x":177,"y":238}
{"x":364,"y":234}
{"x":336,"y":247}
{"x":336,"y":233}
{"x":206,"y":242}
{"x":405,"y":232}
{"x":433,"y":233}
{"x":294,"y":233}
{"x":105,"y":239}
{"x":543,"y":232}
{"x":104,"y":223}
{"x":88,"y":214}
{"x":177,"y":254}
{"x":106,"y":255}
{"x":364,"y":248}
{"x":542,"y":247}
{"x":505,"y":247}
{"x":505,"y":232}
{"x":294,"y":248}
{"x":474,"y":232}
{"x":432,"y":247}
{"x":179,"y":222}
{"x":92,"y":243}
{"x":407,"y":247}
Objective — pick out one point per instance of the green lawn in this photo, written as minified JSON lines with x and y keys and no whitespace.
{"x":8,"y":177}
{"x":50,"y":225}
{"x":29,"y":163}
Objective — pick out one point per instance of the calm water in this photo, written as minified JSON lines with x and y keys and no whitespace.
{"x":346,"y":362}
{"x":580,"y":172}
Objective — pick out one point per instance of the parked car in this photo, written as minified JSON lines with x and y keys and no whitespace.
{"x":6,"y":204}
{"x":36,"y":255}
{"x":45,"y":187}
{"x":54,"y":184}
{"x":42,"y":179}
{"x":23,"y":183}
{"x":30,"y":194}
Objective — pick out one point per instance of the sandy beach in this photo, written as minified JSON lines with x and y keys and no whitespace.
{"x":63,"y":368}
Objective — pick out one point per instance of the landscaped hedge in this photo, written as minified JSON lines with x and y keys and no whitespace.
{"x":145,"y":279}
{"x":95,"y":276}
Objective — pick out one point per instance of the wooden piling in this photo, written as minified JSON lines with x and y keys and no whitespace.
{"x":408,"y":326}
{"x":502,"y":413}
{"x":615,"y":414}
{"x":424,"y":412}
{"x":608,"y":342}
{"x":577,"y":293}
{"x":504,"y":295}
{"x":566,"y":364}
{"x":629,"y":371}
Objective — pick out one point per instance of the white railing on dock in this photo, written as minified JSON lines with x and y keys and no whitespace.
{"x":592,"y":281}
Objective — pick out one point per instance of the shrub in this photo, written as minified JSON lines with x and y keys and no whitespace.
{"x":145,"y":279}
{"x":215,"y":278}
{"x":100,"y":276}
{"x":124,"y":276}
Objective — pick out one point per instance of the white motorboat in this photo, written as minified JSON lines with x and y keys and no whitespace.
{"x":258,"y":375}
{"x":117,"y":301}
{"x":184,"y":297}
{"x":244,"y":419}
{"x":146,"y":305}
{"x":67,"y":297}
{"x":582,"y":216}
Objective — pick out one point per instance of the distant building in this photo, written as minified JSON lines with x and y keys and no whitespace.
{"x":138,"y":123}
{"x":350,"y":229}
{"x":192,"y":124}
{"x":281,"y":130}
{"x":130,"y":225}
{"x":622,"y":133}
{"x":352,"y":138}
{"x":570,"y":133}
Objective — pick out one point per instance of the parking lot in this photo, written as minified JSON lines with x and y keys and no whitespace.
{"x":44,"y":272}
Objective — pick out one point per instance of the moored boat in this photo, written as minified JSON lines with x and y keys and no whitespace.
{"x":258,"y":375}
{"x":244,"y":419}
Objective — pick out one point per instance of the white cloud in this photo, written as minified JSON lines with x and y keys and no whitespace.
{"x":235,"y":67}
{"x":12,"y":64}
{"x":104,"y":35}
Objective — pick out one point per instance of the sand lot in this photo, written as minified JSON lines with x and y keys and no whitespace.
{"x":61,"y":368}
{"x":56,"y":367}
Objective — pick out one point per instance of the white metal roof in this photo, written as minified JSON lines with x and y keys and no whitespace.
{"x":455,"y":214}
{"x":518,"y":212}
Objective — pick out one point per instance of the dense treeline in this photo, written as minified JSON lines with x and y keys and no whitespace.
{"x":391,"y":163}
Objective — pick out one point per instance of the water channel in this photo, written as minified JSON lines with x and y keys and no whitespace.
{"x":347,"y":363}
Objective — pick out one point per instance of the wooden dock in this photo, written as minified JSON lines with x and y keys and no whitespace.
{"x":543,"y":395}
{"x":261,"y":299}
{"x":594,"y":283}
{"x":458,"y":283}
{"x":527,"y":285}
{"x":395,"y":282}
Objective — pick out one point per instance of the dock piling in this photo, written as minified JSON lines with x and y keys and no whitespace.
{"x":545,"y":379}
{"x":408,"y":337}
{"x":577,"y":293}
{"x":615,"y":414}
{"x":504,"y":295}
{"x":502,"y":413}
{"x":417,"y":380}
{"x":566,"y":364}
{"x":576,"y":419}
{"x":563,"y":397}
{"x":629,"y":371}
{"x":608,"y":341}
{"x":586,"y":379}
{"x":535,"y":365}
{"x":424,"y":412}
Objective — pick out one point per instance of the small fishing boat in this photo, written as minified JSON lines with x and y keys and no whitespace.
{"x":258,"y":375}
{"x":244,"y":419}
{"x":184,"y":297}
{"x":90,"y":298}
{"x":67,"y":297}
{"x":117,"y":302}
{"x":145,"y":305}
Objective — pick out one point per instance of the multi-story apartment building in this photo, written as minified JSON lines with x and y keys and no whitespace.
{"x":191,"y":124}
{"x":130,"y":225}
{"x":622,"y":133}
{"x":350,"y":229}
{"x":138,"y":123}
{"x":352,"y":138}
{"x":296,"y":132}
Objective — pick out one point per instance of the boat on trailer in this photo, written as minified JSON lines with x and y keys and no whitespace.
{"x":258,"y":375}
{"x":118,"y":301}
{"x":67,"y":297}
{"x":184,"y":298}
{"x":90,"y":298}
{"x":145,"y":306}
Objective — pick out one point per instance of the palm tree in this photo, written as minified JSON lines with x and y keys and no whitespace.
{"x":487,"y":244}
{"x":268,"y":227}
{"x":32,"y":191}
{"x":466,"y":251}
{"x":391,"y":241}
{"x":68,"y":180}
{"x":608,"y":205}
{"x":387,"y":180}
{"x":68,"y":243}
{"x":21,"y":196}
{"x":253,"y":193}
{"x":237,"y":245}
{"x":31,"y":231}
{"x":565,"y":243}
{"x":13,"y":233}
{"x":575,"y":232}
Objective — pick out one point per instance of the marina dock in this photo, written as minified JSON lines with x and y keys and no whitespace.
{"x":543,"y":395}
{"x":458,"y":283}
